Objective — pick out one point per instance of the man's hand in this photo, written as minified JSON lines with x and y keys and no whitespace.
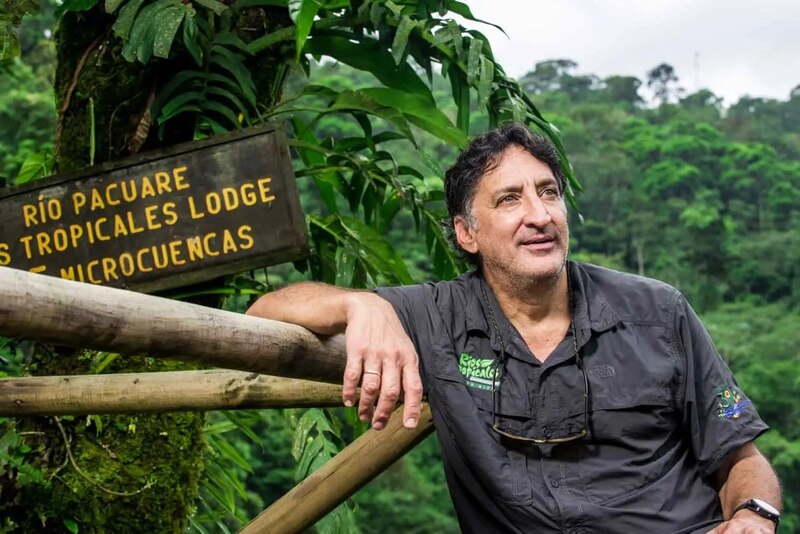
{"x":380,"y":354}
{"x":745,"y":522}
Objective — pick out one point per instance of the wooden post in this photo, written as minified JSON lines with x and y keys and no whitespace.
{"x":343,"y":475}
{"x":62,"y":312}
{"x":159,"y":392}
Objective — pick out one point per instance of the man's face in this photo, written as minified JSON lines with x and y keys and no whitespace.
{"x":519,"y":220}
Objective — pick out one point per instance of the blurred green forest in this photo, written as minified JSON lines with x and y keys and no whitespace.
{"x":679,"y":187}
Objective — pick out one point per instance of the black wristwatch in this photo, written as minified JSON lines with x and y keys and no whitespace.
{"x":764,"y":509}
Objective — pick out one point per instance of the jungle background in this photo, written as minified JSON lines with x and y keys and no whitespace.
{"x":676,"y":186}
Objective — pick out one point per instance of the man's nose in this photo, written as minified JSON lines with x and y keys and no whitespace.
{"x":536,"y":213}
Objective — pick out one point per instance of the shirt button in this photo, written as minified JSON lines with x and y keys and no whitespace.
{"x":548,"y":434}
{"x":554,"y":483}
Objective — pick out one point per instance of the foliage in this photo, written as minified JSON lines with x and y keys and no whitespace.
{"x":678,"y":188}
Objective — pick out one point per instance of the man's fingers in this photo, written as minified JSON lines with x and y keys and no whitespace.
{"x":370,"y":388}
{"x":390,"y":392}
{"x":352,"y":376}
{"x":412,"y":396}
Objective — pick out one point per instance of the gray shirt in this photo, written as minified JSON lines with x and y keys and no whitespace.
{"x":664,"y":408}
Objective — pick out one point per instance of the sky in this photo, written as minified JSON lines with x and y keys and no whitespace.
{"x":732,"y":47}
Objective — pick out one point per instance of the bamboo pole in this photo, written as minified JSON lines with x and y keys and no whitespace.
{"x":159,"y":392}
{"x":62,"y":312}
{"x":340,"y":477}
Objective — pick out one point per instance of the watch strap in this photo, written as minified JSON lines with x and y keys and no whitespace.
{"x":754,"y":506}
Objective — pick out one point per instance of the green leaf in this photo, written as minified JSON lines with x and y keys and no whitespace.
{"x":170,"y":20}
{"x":190,"y":39}
{"x":401,"y":39}
{"x":473,"y":60}
{"x":229,"y":451}
{"x":71,"y":525}
{"x":125,"y":19}
{"x":326,"y":183}
{"x":231,"y":62}
{"x":485,"y":80}
{"x":309,"y":455}
{"x":377,"y":251}
{"x":304,"y":20}
{"x":74,"y":5}
{"x":460,"y":90}
{"x":217,"y":7}
{"x":419,"y":112}
{"x":37,"y":165}
{"x":112,"y":5}
{"x":369,"y":55}
{"x":240,"y":107}
{"x":463,"y":9}
{"x":224,"y":110}
{"x":183,"y":81}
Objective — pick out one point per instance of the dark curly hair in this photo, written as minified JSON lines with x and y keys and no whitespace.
{"x":481,"y":156}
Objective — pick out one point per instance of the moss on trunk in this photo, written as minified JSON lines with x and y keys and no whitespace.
{"x":137,"y":473}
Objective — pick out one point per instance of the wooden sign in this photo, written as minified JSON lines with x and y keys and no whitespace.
{"x":162,"y":219}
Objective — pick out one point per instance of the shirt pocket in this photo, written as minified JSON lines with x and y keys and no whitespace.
{"x":633,"y":441}
{"x":501,"y":470}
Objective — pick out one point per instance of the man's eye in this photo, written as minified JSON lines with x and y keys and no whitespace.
{"x":506,"y":199}
{"x":550,"y":192}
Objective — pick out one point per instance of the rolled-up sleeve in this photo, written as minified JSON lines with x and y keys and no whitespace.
{"x":717,"y":414}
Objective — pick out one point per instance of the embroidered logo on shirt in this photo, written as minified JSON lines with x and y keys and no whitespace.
{"x":478,"y":372}
{"x":730,"y":402}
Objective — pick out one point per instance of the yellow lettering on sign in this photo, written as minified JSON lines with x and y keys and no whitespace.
{"x":109,"y":199}
{"x":5,"y":255}
{"x":195,"y":247}
{"x":147,"y":188}
{"x":152,"y":218}
{"x":244,"y":234}
{"x":162,"y":182}
{"x":132,"y":224}
{"x":249,"y":197}
{"x":69,"y":273}
{"x":60,"y":239}
{"x":90,"y":271}
{"x":109,"y":269}
{"x":228,"y":244}
{"x":29,"y":215}
{"x":140,"y":263}
{"x":175,"y":253}
{"x":26,"y":242}
{"x":75,"y":233}
{"x":43,"y":243}
{"x":177,"y":174}
{"x":207,"y":239}
{"x":97,"y":231}
{"x":126,"y":265}
{"x":169,"y":211}
{"x":97,"y":201}
{"x":78,"y":202}
{"x":128,"y":190}
{"x":230,"y":197}
{"x":263,"y":190}
{"x":213,"y":203}
{"x":193,"y":211}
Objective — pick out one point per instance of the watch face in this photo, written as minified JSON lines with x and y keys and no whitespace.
{"x":767,"y":506}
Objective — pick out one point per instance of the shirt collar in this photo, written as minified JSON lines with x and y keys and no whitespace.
{"x":592,"y":310}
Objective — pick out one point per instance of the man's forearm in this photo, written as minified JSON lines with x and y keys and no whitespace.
{"x":319,"y":307}
{"x":749,"y":477}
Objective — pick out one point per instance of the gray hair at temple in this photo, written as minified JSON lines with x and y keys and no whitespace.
{"x":482,"y":155}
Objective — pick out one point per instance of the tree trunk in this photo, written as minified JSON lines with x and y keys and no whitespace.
{"x":126,"y":473}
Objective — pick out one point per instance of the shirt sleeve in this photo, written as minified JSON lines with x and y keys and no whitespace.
{"x":716,"y":412}
{"x":413,"y":305}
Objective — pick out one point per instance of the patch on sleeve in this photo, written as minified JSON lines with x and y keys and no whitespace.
{"x":730,"y":403}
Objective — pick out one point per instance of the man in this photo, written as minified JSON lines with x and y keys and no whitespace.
{"x":566,"y":397}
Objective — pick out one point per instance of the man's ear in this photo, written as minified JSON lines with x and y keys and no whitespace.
{"x":465,"y":234}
